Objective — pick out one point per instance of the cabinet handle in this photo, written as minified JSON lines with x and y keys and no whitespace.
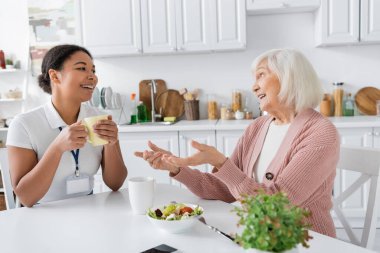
{"x":377,"y":133}
{"x":181,"y":137}
{"x":370,"y":134}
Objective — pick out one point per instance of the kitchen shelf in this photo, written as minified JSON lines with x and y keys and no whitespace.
{"x":4,"y":71}
{"x":11,"y":99}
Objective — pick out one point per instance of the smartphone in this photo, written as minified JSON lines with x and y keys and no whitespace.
{"x":163,"y":248}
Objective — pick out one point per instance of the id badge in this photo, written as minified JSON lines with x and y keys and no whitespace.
{"x":78,"y":184}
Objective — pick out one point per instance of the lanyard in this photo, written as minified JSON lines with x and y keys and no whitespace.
{"x":76,"y":158}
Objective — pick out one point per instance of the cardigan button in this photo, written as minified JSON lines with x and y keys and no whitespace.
{"x":269,"y":176}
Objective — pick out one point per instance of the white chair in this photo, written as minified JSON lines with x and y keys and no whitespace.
{"x":10,"y":200}
{"x":367,"y":162}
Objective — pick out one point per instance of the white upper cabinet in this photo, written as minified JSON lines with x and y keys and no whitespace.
{"x":193,"y":24}
{"x":258,"y":7}
{"x":123,"y":27}
{"x":348,"y":22}
{"x":229,"y":24}
{"x":111,"y":28}
{"x":158,"y":26}
{"x":370,"y":21}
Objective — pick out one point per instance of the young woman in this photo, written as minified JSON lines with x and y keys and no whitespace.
{"x":49,"y":157}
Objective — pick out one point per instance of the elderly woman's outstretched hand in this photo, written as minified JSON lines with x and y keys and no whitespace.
{"x":154,"y":158}
{"x":205,"y":154}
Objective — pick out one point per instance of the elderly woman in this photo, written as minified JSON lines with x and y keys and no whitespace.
{"x":294,"y":149}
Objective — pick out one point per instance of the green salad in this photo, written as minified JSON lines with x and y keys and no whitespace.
{"x":177,"y":211}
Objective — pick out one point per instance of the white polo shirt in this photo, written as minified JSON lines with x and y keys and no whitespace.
{"x":37,"y":129}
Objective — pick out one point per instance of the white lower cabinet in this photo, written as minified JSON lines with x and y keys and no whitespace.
{"x":226,"y":140}
{"x":355,"y":206}
{"x":204,"y":137}
{"x":131,"y":142}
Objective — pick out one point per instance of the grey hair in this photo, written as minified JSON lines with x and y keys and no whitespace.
{"x":300,"y":85}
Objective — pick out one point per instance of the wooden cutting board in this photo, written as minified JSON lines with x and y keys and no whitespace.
{"x":365,"y":100}
{"x":144,"y":93}
{"x":171,"y":103}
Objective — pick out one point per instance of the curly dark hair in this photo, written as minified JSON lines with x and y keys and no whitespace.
{"x":54,"y":59}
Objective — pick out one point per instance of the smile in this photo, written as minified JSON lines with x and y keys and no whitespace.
{"x":261,"y":96}
{"x":87,"y":86}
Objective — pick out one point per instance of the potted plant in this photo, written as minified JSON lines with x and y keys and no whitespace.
{"x":271,"y":223}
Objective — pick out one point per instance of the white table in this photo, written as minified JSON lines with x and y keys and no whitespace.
{"x":105,"y":223}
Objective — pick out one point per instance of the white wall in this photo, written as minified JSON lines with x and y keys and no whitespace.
{"x":220,"y":73}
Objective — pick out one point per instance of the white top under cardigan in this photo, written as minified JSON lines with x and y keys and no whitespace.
{"x":272,"y":142}
{"x":37,"y":129}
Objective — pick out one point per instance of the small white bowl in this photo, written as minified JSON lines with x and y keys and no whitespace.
{"x":175,"y":226}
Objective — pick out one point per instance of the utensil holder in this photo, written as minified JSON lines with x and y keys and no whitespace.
{"x":192,"y":109}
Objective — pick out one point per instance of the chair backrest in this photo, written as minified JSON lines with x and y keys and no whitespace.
{"x":6,"y":177}
{"x":367,"y":162}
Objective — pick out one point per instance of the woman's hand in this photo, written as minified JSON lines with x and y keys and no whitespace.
{"x":154,"y":158}
{"x":107,"y":130}
{"x":71,"y":137}
{"x":205,"y":154}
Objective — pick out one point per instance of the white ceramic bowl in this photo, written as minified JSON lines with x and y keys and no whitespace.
{"x":175,"y":226}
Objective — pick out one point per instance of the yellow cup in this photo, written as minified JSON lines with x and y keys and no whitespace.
{"x":93,"y":138}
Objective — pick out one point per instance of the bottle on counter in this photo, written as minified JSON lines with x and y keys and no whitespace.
{"x":325,"y":105}
{"x":338,"y":99}
{"x":142,"y":113}
{"x":2,"y":60}
{"x":348,"y":106}
{"x":133,"y":109}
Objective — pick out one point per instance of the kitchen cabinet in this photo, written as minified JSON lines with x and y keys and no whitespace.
{"x":162,"y":26}
{"x":158,"y":26}
{"x":228,"y":21}
{"x":194,"y":30}
{"x":188,"y":26}
{"x":258,"y":7}
{"x":355,"y":206}
{"x":204,"y":137}
{"x":131,"y":142}
{"x":347,"y":22}
{"x":111,"y":28}
{"x":226,"y":140}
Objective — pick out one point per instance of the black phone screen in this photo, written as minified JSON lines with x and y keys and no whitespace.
{"x":163,"y":248}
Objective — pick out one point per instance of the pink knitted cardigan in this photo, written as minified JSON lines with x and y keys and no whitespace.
{"x":303,"y":167}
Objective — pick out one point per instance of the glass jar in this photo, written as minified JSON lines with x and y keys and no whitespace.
{"x":237,"y":100}
{"x":212,"y":107}
{"x":223,"y":111}
{"x":338,"y":99}
{"x":230,"y":114}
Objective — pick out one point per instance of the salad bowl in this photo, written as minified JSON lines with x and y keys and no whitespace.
{"x":175,"y":217}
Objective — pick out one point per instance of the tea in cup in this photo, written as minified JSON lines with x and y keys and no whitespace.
{"x":89,"y":123}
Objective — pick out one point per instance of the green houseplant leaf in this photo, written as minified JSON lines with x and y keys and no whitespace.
{"x":271,"y":223}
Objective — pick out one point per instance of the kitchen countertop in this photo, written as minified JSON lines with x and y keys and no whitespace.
{"x":356,"y":121}
{"x":199,"y":125}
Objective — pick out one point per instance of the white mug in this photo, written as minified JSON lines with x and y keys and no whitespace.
{"x":141,"y":193}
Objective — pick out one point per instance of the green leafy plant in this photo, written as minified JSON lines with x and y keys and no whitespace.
{"x":271,"y":223}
